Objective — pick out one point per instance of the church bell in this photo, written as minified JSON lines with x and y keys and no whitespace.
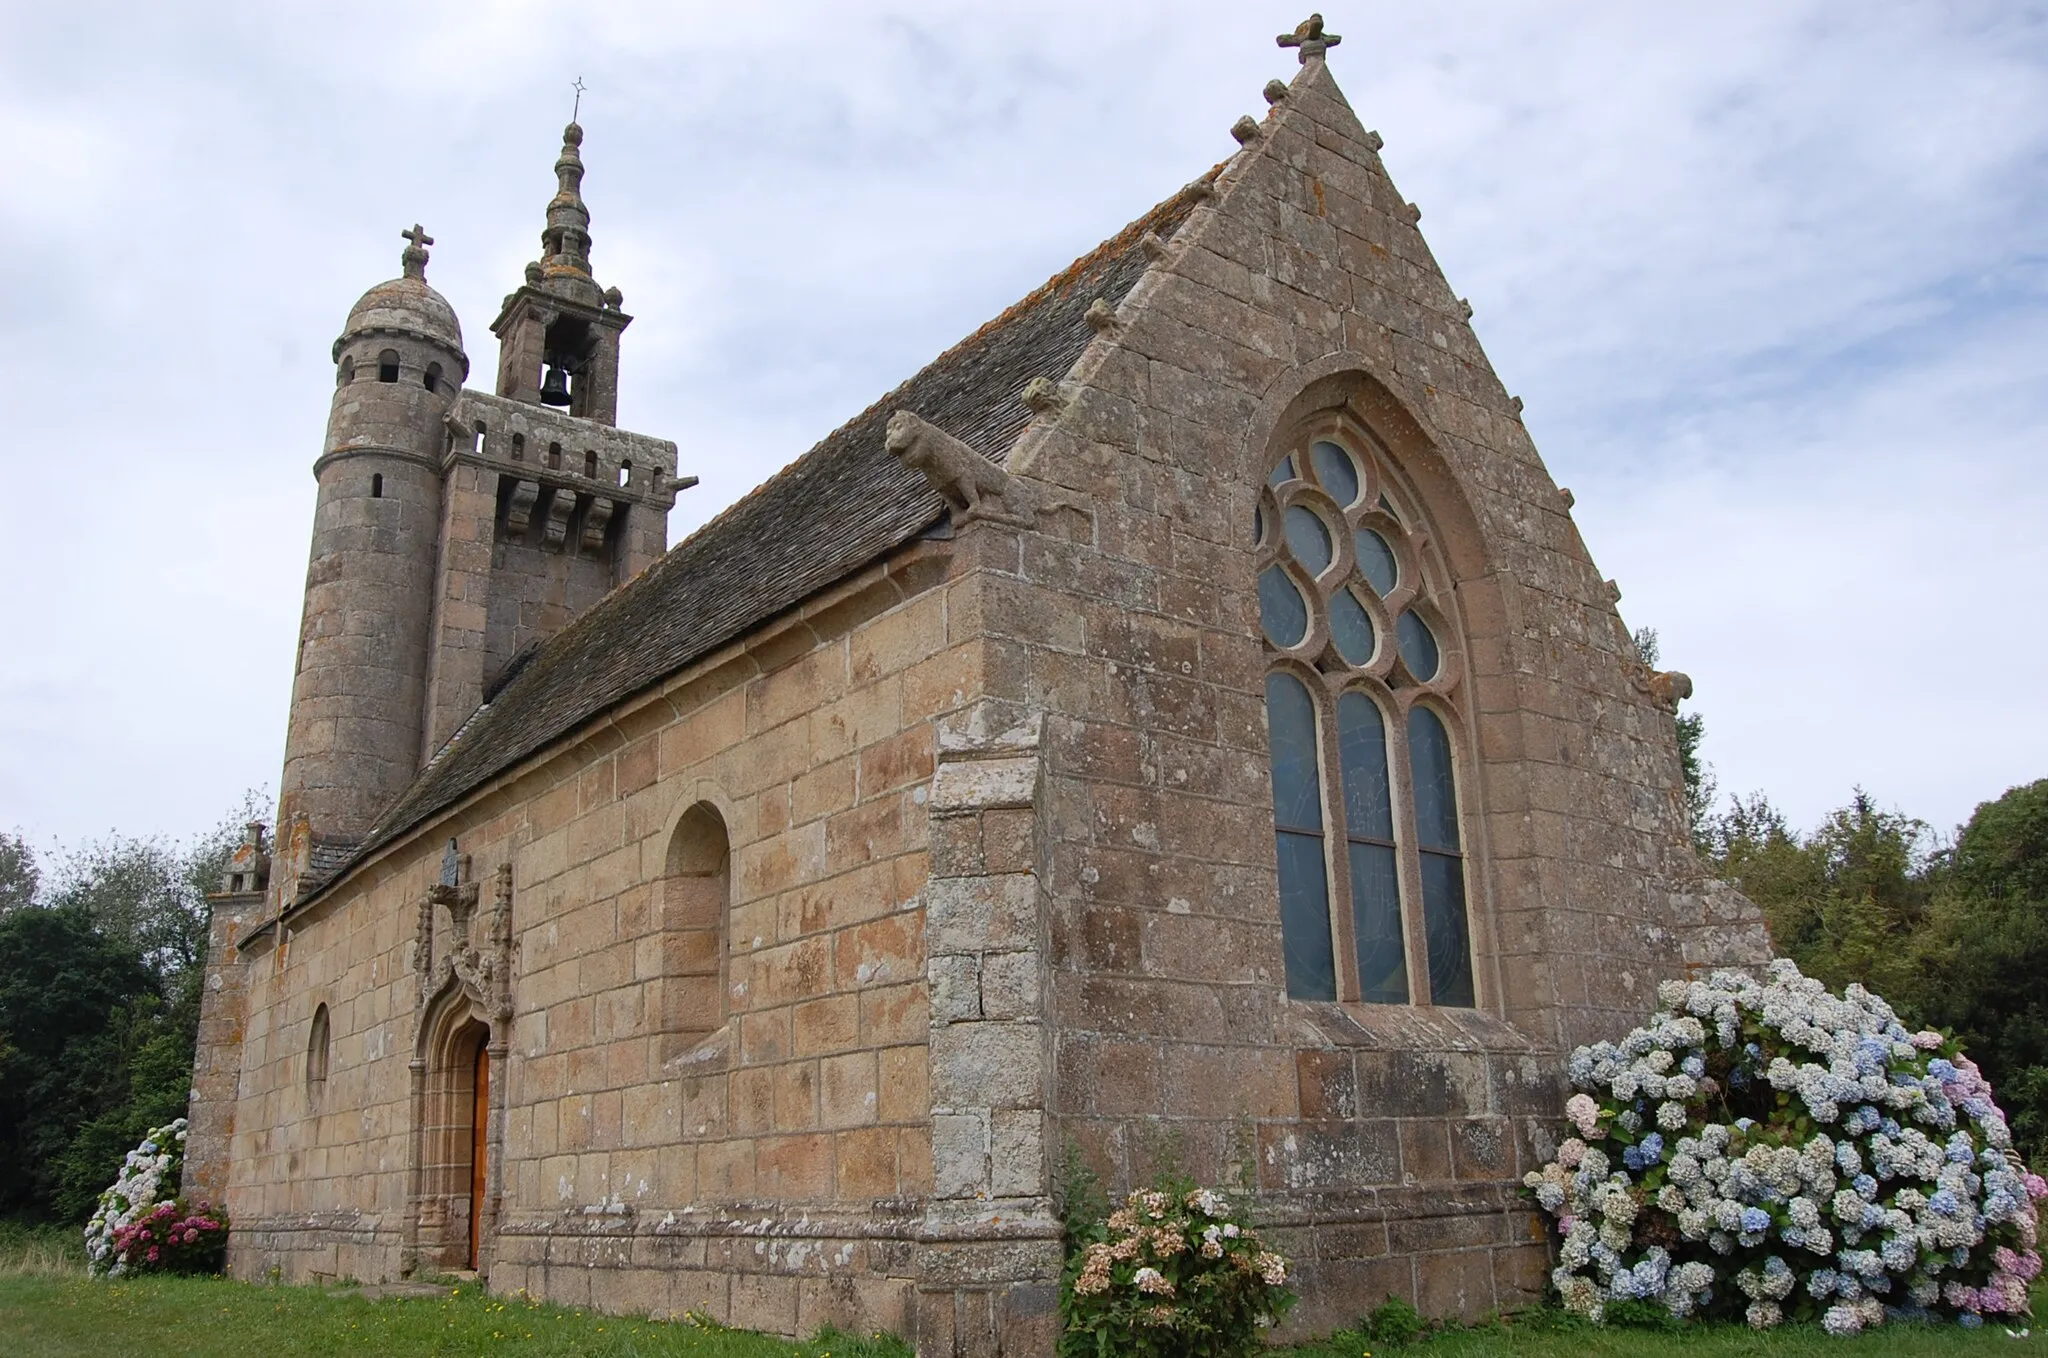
{"x":554,"y":388}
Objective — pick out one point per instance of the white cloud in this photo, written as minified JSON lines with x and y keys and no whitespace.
{"x":1765,"y":273}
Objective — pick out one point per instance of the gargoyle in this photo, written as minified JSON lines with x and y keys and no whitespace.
{"x":972,"y":486}
{"x":1670,"y":687}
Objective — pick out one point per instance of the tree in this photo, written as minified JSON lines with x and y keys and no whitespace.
{"x":101,"y":965}
{"x":1849,"y":902}
{"x":1990,"y":979}
{"x":62,"y":987}
{"x":18,"y":875}
{"x":1954,"y":937}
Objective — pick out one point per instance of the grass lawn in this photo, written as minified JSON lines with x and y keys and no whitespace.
{"x":48,"y":1309}
{"x":1553,"y":1337}
{"x":71,"y":1317}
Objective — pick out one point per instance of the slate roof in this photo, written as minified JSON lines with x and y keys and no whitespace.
{"x":832,"y":511}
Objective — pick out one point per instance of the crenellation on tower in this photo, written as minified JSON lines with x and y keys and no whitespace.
{"x":546,"y":514}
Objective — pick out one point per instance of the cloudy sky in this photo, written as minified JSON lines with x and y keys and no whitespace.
{"x":1769,"y":276}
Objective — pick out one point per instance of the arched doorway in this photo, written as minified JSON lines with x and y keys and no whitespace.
{"x":455,"y":1150}
{"x":456,"y":1182}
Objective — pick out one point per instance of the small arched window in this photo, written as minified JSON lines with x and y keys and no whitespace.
{"x":695,"y":899}
{"x":554,"y":457}
{"x":1361,"y":701}
{"x":431,"y":379}
{"x":376,"y":485}
{"x":346,"y":373}
{"x":387,"y":366}
{"x":519,"y":447}
{"x":317,"y":1043}
{"x":625,"y":475}
{"x":590,"y":463}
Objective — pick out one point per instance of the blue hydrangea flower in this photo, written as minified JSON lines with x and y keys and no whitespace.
{"x":1755,"y":1219}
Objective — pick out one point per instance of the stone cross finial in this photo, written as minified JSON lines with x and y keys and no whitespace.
{"x":415,"y":257}
{"x":576,"y":110}
{"x":1310,"y":38}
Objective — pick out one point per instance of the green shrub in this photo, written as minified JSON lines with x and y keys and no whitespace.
{"x":1176,"y":1272}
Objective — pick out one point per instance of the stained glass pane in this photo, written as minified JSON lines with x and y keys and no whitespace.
{"x":1376,"y":562}
{"x":1362,"y":736}
{"x":1305,"y":919}
{"x":1351,"y":628}
{"x":1298,"y":820}
{"x":1443,"y":920}
{"x":1309,"y":538}
{"x":1418,"y":646}
{"x":1388,"y":505}
{"x":1291,"y":721}
{"x":1376,"y":922}
{"x":1282,"y":611}
{"x":1436,"y":788}
{"x":1283,"y":473}
{"x":1258,"y":524}
{"x":1375,"y":889}
{"x":1336,"y":470}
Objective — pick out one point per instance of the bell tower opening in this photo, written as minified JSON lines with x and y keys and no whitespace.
{"x":560,"y":332}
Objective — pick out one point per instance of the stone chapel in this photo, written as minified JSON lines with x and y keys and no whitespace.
{"x":1182,"y":720}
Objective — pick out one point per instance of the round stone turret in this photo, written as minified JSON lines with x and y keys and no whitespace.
{"x":359,"y":697}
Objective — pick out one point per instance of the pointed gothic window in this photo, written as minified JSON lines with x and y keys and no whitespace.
{"x":1362,"y":702}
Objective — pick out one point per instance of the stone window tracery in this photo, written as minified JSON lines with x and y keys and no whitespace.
{"x":1363,"y":701}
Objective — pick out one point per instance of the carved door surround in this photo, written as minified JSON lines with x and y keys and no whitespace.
{"x":456,"y":1179}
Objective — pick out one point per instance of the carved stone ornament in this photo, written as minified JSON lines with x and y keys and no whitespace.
{"x":972,"y":486}
{"x":1670,"y":687}
{"x":483,"y":968}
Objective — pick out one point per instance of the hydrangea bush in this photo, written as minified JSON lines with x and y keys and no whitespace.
{"x":1771,"y":1151}
{"x":142,"y":1227}
{"x":1174,"y":1271}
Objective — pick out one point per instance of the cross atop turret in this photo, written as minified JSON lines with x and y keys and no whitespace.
{"x":415,"y":257}
{"x":1308,"y":35}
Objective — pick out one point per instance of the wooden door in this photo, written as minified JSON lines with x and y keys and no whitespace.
{"x":479,"y":1124}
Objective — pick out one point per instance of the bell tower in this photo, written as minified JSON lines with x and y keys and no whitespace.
{"x":559,"y":334}
{"x":548,"y":505}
